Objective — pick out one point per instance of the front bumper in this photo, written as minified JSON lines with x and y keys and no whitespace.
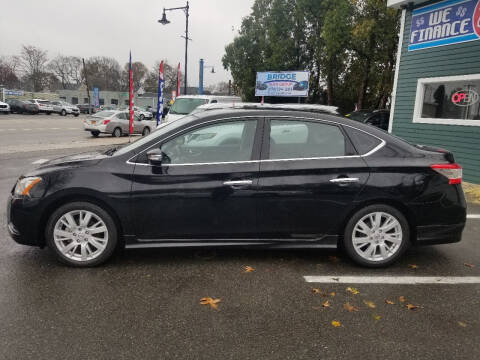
{"x":6,"y":109}
{"x":23,"y":220}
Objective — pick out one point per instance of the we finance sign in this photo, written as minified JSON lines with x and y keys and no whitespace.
{"x":445,"y":23}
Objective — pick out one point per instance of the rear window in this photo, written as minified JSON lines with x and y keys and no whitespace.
{"x":105,"y":113}
{"x":44,"y":102}
{"x":363,"y":142}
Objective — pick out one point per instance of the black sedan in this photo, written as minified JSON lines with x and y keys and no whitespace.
{"x":22,"y":106}
{"x":266,"y":178}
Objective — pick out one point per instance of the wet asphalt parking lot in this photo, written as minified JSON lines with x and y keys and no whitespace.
{"x":145,"y":304}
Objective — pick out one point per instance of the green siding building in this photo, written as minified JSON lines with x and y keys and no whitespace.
{"x":436,"y":96}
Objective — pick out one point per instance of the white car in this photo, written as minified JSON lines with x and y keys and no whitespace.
{"x":63,"y":108}
{"x":44,"y":106}
{"x":185,"y":104}
{"x":142,"y":113}
{"x":4,"y":108}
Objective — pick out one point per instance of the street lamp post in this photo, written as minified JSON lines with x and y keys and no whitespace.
{"x":164,"y":21}
{"x":200,"y":77}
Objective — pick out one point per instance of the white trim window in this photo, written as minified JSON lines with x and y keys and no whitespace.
{"x":448,"y":100}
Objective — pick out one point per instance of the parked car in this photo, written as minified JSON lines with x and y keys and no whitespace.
{"x":142,"y":113}
{"x":378,"y":118}
{"x":63,"y":108}
{"x":4,"y":108}
{"x":185,"y":104}
{"x":44,"y":106}
{"x":84,"y":108}
{"x":108,"y":107}
{"x":22,"y":106}
{"x":116,"y":123}
{"x":281,"y":179}
{"x":165,"y":111}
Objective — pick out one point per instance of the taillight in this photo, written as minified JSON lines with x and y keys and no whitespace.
{"x":451,"y":171}
{"x":105,"y":122}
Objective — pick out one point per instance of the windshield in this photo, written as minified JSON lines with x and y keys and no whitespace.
{"x":358,"y":116}
{"x":162,"y":129}
{"x":184,"y":106}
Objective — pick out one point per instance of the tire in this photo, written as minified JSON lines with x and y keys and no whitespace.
{"x":49,"y":112}
{"x":142,"y":117}
{"x":146,"y":131}
{"x":76,"y":115}
{"x":117,"y":132}
{"x":63,"y":112}
{"x":370,"y":243}
{"x":106,"y":239}
{"x":95,"y":133}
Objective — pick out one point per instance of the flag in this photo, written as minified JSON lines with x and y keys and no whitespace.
{"x":160,"y":94}
{"x":179,"y":75}
{"x":130,"y":96}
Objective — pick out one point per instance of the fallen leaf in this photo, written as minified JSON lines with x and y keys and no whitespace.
{"x":332,"y":294}
{"x":209,"y":301}
{"x":370,"y":304}
{"x":401,"y":299}
{"x":317,"y":291}
{"x":326,"y":304}
{"x":413,"y":266}
{"x":249,"y":269}
{"x":377,"y":317}
{"x":349,"y":307}
{"x":412,"y":307}
{"x":389,"y":302}
{"x":462,"y":324}
{"x":336,"y":323}
{"x":353,"y":290}
{"x":469,"y":265}
{"x":333,"y":258}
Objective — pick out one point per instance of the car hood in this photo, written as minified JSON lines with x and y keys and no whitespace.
{"x":82,"y":159}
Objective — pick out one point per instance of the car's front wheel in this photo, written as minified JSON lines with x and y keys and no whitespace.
{"x":64,"y":112}
{"x":81,"y":234}
{"x":376,"y":236}
{"x":146,"y":131}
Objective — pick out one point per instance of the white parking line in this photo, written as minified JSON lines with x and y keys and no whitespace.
{"x":473,"y":216}
{"x":407,"y":280}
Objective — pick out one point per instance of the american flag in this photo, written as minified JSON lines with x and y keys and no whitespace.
{"x":130,"y":96}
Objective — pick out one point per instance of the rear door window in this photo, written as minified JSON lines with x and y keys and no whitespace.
{"x":362,"y":141}
{"x":293,"y":139}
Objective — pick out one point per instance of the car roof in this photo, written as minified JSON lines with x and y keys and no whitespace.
{"x":207,"y":97}
{"x":258,"y":106}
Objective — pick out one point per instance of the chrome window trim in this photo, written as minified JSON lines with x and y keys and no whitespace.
{"x":374,"y":150}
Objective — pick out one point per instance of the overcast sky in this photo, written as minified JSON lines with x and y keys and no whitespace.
{"x":112,"y":27}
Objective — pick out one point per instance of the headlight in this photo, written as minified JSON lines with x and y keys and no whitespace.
{"x":24,"y":185}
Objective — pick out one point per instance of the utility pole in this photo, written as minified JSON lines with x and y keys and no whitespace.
{"x":86,"y":83}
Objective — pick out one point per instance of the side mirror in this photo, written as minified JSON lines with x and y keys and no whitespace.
{"x":155,"y":157}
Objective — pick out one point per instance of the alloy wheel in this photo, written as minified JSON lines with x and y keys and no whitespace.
{"x":80,"y":235}
{"x":377,"y":236}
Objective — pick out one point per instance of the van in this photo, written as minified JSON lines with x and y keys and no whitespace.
{"x":185,"y":104}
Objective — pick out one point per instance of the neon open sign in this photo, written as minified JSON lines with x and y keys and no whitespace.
{"x":465,"y":97}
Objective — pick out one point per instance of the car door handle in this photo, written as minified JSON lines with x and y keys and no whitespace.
{"x":238,"y":182}
{"x":344,"y":180}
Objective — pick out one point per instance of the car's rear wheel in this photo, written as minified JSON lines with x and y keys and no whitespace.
{"x":95,"y":133}
{"x":146,"y":131}
{"x":81,"y":234}
{"x":64,"y":112}
{"x":376,"y":236}
{"x":117,"y":132}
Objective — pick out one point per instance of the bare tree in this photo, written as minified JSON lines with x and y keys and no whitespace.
{"x":104,"y":72}
{"x":32,"y":63}
{"x":8,"y":75}
{"x":67,"y":69}
{"x":169,"y":76}
{"x":140,"y":72}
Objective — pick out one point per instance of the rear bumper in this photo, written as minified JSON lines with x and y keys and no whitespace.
{"x":439,"y":234}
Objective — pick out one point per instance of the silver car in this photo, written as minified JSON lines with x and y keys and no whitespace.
{"x":63,"y":108}
{"x":116,"y":123}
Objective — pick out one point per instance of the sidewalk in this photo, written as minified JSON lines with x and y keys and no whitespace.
{"x":472,"y":192}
